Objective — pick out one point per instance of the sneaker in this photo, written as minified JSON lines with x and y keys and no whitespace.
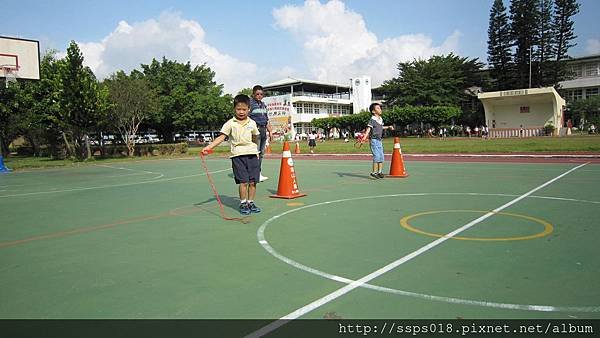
{"x":380,"y":175}
{"x":244,"y":209}
{"x":253,"y":208}
{"x":262,"y":178}
{"x":374,"y":175}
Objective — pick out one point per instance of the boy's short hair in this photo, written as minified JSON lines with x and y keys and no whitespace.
{"x":242,"y":98}
{"x":255,"y":88}
{"x":372,"y":107}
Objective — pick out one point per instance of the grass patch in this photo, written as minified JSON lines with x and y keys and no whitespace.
{"x":412,"y":145}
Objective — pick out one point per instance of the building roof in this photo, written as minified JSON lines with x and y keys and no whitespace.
{"x":520,"y":95}
{"x":584,"y":58}
{"x":287,"y":82}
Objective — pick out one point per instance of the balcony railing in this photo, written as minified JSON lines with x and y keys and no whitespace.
{"x":343,"y":96}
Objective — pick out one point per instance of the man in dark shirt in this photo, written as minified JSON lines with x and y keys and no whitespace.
{"x":258,"y":113}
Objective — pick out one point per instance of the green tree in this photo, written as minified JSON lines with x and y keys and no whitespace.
{"x":188,"y":98}
{"x":132,"y":101}
{"x":441,"y":80}
{"x":524,"y":15}
{"x":246,"y":91}
{"x":352,"y":123}
{"x":29,"y":109}
{"x":499,"y":44}
{"x":44,"y":108}
{"x":11,"y":123}
{"x":81,"y":102}
{"x":564,"y":34}
{"x":436,"y":116}
{"x":544,"y":54}
{"x":585,"y":112}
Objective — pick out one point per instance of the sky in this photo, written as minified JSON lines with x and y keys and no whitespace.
{"x":262,"y":41}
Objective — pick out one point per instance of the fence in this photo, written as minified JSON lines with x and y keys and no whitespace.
{"x":516,"y":132}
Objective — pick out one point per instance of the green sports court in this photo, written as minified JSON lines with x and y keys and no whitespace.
{"x":454,"y":239}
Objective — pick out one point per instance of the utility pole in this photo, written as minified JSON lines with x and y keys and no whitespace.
{"x":530,"y":49}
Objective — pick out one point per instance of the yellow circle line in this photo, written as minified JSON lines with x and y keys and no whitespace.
{"x":548,"y":228}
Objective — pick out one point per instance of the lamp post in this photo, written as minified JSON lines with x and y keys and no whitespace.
{"x":530,"y":49}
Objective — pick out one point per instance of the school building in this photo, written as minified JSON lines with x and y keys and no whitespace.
{"x":316,"y":99}
{"x":522,"y":112}
{"x":525,"y":112}
{"x":586,"y":81}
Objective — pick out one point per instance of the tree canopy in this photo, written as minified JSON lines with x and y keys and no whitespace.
{"x":132,"y":102}
{"x":440,"y":80}
{"x":499,"y":44}
{"x":536,"y":40}
{"x":188,"y":98}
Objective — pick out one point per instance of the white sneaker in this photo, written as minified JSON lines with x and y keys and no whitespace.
{"x":263,"y":178}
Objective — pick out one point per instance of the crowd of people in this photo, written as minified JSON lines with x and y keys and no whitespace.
{"x":449,"y":131}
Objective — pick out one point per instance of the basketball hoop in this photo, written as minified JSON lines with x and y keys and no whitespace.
{"x":10,"y":73}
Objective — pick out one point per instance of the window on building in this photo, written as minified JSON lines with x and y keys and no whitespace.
{"x":320,"y":109}
{"x":568,"y":95}
{"x":591,"y":92}
{"x":308,"y":108}
{"x":577,"y":94}
{"x":577,"y":71}
{"x":591,"y":69}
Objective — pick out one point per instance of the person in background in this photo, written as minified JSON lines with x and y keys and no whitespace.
{"x":258,"y":113}
{"x":312,"y":141}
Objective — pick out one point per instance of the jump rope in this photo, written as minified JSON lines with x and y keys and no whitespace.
{"x":360,"y":141}
{"x":214,"y":189}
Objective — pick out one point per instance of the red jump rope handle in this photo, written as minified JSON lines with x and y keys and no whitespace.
{"x":206,"y":152}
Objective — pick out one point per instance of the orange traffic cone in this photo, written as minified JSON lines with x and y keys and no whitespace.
{"x":397,"y":167}
{"x":288,"y":187}
{"x":267,"y":148}
{"x":297,"y":150}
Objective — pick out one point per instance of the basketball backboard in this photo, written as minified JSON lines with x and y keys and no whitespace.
{"x":20,"y":57}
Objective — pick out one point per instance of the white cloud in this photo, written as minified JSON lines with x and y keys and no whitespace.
{"x":337,"y":44}
{"x":593,"y":46}
{"x":171,"y":36}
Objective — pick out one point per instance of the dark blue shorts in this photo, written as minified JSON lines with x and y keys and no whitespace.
{"x":245,"y":169}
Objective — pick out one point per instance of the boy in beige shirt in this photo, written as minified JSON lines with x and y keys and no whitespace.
{"x":242,"y":132}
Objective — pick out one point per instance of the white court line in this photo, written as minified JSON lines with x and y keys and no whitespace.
{"x":136,"y":171}
{"x":111,"y":186}
{"x":359,"y":282}
{"x":527,"y":307}
{"x":564,"y":199}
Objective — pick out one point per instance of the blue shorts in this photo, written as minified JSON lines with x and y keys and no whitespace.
{"x":245,"y":169}
{"x":377,"y":150}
